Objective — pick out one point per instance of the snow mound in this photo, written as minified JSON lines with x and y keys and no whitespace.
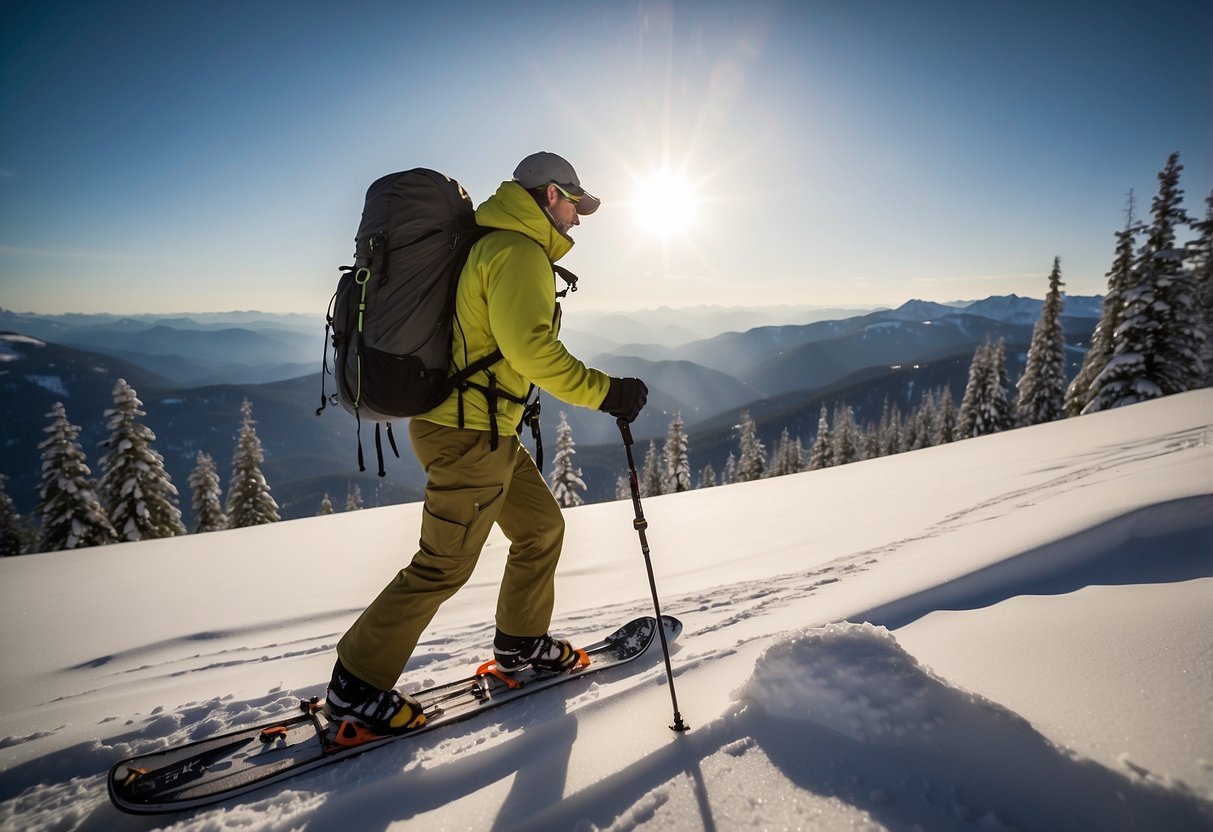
{"x":843,"y":711}
{"x":854,"y":679}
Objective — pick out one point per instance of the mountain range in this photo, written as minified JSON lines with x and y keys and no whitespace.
{"x":193,"y":371}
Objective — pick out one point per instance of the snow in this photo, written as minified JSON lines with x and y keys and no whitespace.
{"x":1011,"y":632}
{"x":7,"y":338}
{"x":883,"y":326}
{"x":52,"y":383}
{"x":8,"y":352}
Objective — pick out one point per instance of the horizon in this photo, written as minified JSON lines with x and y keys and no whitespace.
{"x":822,"y":154}
{"x":959,"y":302}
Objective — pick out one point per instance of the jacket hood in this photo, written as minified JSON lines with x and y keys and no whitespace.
{"x":513,"y":209}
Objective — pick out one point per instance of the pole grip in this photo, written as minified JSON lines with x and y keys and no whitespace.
{"x":626,"y":430}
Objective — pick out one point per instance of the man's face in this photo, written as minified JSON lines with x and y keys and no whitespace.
{"x":563,"y":211}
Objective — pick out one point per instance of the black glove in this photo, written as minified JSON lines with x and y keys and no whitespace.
{"x":625,"y":398}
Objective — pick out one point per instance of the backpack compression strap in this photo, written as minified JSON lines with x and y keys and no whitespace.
{"x":461,"y":382}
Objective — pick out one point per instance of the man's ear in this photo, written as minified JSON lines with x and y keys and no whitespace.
{"x":552,"y":194}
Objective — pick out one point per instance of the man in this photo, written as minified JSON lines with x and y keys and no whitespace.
{"x":506,"y":299}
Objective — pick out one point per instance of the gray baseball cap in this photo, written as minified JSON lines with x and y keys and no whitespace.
{"x":543,"y":167}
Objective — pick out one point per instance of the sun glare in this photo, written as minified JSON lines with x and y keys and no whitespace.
{"x":665,"y":203}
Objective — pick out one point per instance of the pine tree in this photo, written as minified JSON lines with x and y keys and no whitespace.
{"x":846,"y":436}
{"x":871,"y":441}
{"x":923,"y":416}
{"x":1042,"y":386}
{"x":1000,"y":393}
{"x":652,"y":479}
{"x":788,"y":457}
{"x":207,"y":499}
{"x":890,"y":429}
{"x":249,"y":502}
{"x":730,"y":470}
{"x":677,"y":458}
{"x":943,"y":428}
{"x":12,"y":537}
{"x":326,"y":506}
{"x":137,"y":492}
{"x":1200,"y":253}
{"x":707,"y":477}
{"x":1156,"y":350}
{"x":353,"y":497}
{"x":1111,"y":314}
{"x":821,"y":455}
{"x":752,"y":458}
{"x":970,"y":418}
{"x":565,"y":478}
{"x":72,"y":516}
{"x":623,"y":488}
{"x":985,"y":409}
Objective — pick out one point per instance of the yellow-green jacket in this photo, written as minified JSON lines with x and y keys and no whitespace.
{"x":506,"y":299}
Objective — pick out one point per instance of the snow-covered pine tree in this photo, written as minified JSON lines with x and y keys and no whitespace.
{"x":623,"y":488}
{"x":707,"y":477}
{"x":787,"y":457}
{"x":1111,"y":313}
{"x":871,"y":441}
{"x":943,"y":427}
{"x":847,"y":443}
{"x":1200,"y":253}
{"x":970,"y":422}
{"x":137,"y":491}
{"x":249,"y":502}
{"x":677,"y":458}
{"x":890,"y":429}
{"x":1156,"y":350}
{"x":821,"y":455}
{"x":206,"y":496}
{"x":752,"y":457}
{"x":565,"y":479}
{"x":326,"y":506}
{"x":918,"y":425}
{"x":1000,"y":395}
{"x":729,"y":476}
{"x":12,"y":537}
{"x":652,"y":479}
{"x":72,"y":516}
{"x":797,"y":458}
{"x":353,"y":497}
{"x":1042,"y":387}
{"x":985,"y":408}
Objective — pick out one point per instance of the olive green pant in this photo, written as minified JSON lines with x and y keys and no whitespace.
{"x":470,"y":488}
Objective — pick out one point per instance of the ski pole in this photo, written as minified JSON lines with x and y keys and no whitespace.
{"x":641,"y":524}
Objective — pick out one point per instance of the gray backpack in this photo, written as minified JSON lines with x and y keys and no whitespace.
{"x":391,"y":316}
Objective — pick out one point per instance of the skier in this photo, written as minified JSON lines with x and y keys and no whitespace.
{"x":506,"y":299}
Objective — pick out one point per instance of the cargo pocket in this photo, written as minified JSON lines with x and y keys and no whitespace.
{"x":456,"y":521}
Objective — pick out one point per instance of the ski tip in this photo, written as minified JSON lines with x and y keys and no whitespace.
{"x":645,"y":629}
{"x":672,"y":626}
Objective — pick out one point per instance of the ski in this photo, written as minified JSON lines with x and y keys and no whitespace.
{"x":226,"y":766}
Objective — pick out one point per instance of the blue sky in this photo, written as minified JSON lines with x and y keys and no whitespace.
{"x":207,"y":157}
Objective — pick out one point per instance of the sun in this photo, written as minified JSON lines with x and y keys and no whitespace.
{"x":665,"y":203}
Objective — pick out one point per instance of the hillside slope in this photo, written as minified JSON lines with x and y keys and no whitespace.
{"x":1056,"y":578}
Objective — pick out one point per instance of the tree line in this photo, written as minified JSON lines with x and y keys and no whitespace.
{"x":134,"y":498}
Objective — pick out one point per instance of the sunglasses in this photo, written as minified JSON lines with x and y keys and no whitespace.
{"x":570,"y":197}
